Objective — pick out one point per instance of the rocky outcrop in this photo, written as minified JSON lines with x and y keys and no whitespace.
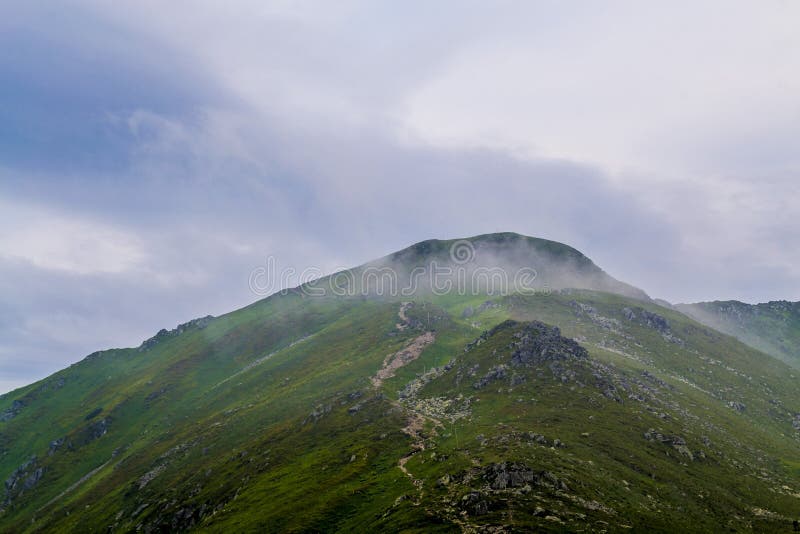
{"x":148,"y":477}
{"x":51,"y":384}
{"x":497,"y":480}
{"x":12,"y":411}
{"x":24,"y":478}
{"x":536,"y":343}
{"x":469,"y":311}
{"x":509,"y":475}
{"x":475,"y":503}
{"x":99,"y":428}
{"x":498,"y":372}
{"x":94,"y":413}
{"x":55,"y":445}
{"x":319,"y":411}
{"x":676,"y":442}
{"x":652,"y":320}
{"x":736,"y":405}
{"x":165,"y":334}
{"x":589,"y":311}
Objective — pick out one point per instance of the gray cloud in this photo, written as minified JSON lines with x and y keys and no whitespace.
{"x":329,"y":137}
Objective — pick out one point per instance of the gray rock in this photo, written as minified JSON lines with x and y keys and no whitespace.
{"x":99,"y":428}
{"x":55,"y":445}
{"x":475,"y":503}
{"x":736,"y":405}
{"x":539,"y":343}
{"x":164,"y":334}
{"x":11,"y":412}
{"x":517,"y":475}
{"x":495,"y":373}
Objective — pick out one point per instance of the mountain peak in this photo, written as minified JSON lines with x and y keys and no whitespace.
{"x":502,"y":258}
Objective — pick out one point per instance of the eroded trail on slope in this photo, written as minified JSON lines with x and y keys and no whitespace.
{"x":403,"y":357}
{"x":413,"y":429}
{"x":416,"y":421}
{"x":402,"y":314}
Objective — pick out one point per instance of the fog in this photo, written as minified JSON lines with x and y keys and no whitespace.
{"x":154,"y":156}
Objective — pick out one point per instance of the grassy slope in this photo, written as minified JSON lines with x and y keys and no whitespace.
{"x":193,"y":440}
{"x":771,"y":327}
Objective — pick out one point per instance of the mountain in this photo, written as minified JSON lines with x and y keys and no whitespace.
{"x":568,"y":402}
{"x":496,"y":263}
{"x":771,"y":327}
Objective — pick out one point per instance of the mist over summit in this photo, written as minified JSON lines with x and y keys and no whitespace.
{"x":490,"y":264}
{"x":254,"y":278}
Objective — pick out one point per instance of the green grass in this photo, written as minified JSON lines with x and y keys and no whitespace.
{"x":771,"y":327}
{"x":233,"y":446}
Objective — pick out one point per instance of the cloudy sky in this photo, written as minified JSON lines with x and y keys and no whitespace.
{"x":152,"y":154}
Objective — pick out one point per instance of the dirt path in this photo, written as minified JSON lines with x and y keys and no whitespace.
{"x":403,"y":357}
{"x":415,"y":423}
{"x":414,"y":427}
{"x":402,"y":314}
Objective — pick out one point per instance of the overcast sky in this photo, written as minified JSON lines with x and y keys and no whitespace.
{"x":152,"y":154}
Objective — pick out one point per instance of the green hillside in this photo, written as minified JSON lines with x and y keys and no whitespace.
{"x":771,"y":327}
{"x":546,"y":408}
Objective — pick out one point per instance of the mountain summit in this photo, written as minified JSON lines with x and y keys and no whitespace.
{"x":513,"y":386}
{"x":498,"y":263}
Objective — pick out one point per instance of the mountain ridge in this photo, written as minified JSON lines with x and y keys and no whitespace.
{"x":772,"y":327}
{"x":550,"y":265}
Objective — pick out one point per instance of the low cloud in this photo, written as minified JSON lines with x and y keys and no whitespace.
{"x":171,"y":149}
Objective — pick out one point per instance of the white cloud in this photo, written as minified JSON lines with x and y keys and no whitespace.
{"x":629,"y":85}
{"x":79,"y":245}
{"x":663,"y":140}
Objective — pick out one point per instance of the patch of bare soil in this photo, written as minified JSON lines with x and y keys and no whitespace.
{"x":408,"y":354}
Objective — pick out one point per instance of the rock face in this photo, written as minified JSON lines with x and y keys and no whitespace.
{"x":736,"y":405}
{"x":517,"y":475}
{"x":13,"y":411}
{"x":652,"y":320}
{"x":655,"y":321}
{"x":537,"y":343}
{"x":319,"y":411}
{"x":165,"y":334}
{"x":475,"y":503}
{"x":99,"y":428}
{"x":55,"y":445}
{"x":24,"y":478}
{"x":676,"y":442}
{"x":495,"y":373}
